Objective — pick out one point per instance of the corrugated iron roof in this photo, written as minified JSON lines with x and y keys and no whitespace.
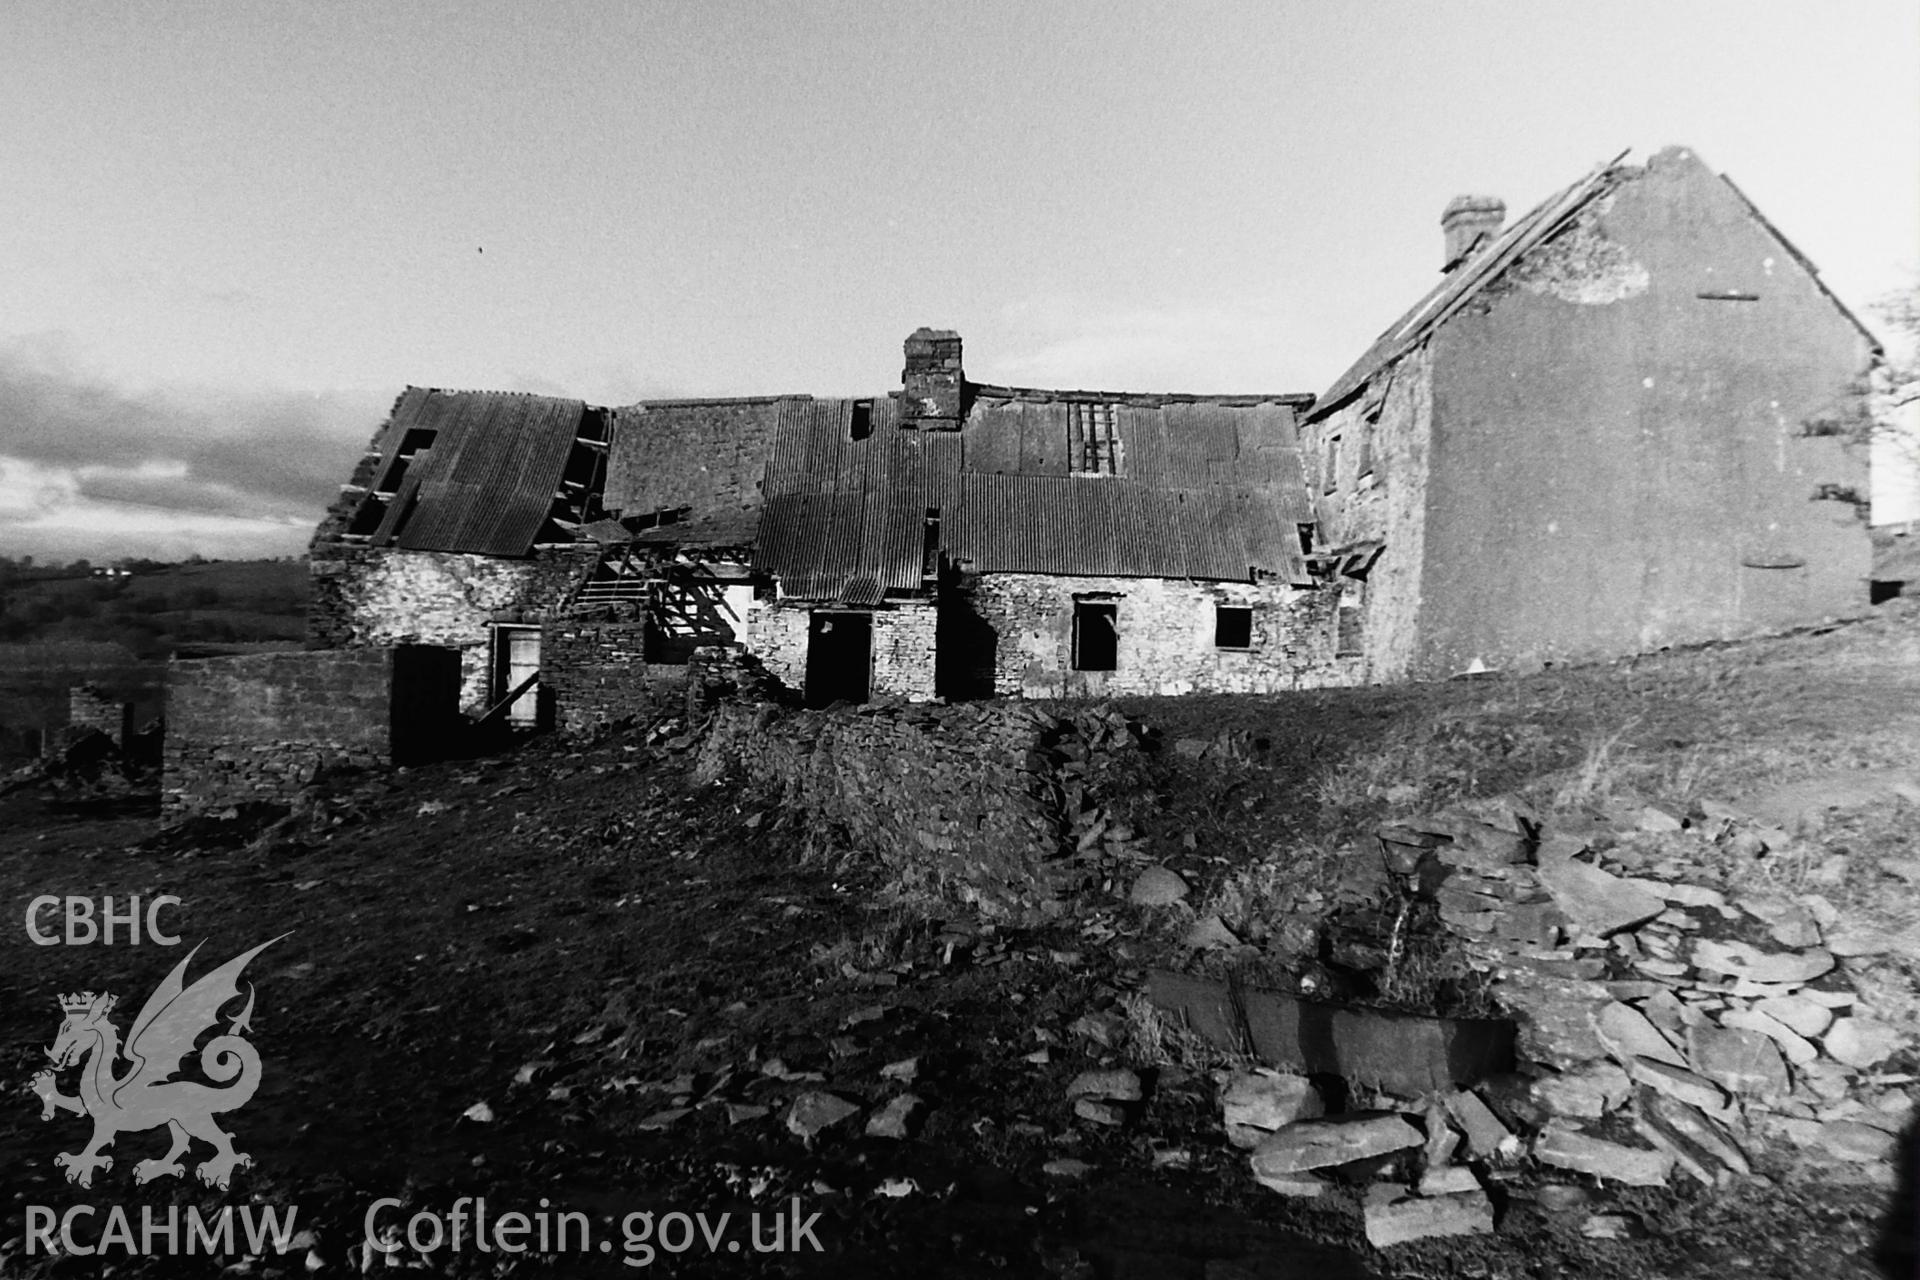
{"x":840,"y":546}
{"x":1119,"y":528}
{"x":487,"y":482}
{"x":1460,"y":286}
{"x":1203,"y":490}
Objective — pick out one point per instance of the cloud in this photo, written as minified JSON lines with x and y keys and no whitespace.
{"x":213,"y":470}
{"x":1062,"y":342}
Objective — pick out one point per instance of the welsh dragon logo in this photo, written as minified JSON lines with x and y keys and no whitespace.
{"x":145,"y":1096}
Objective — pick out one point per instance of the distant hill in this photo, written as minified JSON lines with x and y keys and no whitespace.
{"x":60,"y":628}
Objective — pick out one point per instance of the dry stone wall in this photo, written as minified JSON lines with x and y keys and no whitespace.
{"x":1166,"y":633}
{"x":262,"y":726}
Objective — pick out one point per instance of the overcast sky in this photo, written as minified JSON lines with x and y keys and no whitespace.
{"x":231,"y":233}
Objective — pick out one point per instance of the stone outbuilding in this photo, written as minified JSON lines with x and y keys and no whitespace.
{"x":1618,"y":423}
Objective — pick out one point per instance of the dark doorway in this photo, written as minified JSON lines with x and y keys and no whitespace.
{"x":839,"y":657}
{"x":1096,"y":636}
{"x":965,"y":646}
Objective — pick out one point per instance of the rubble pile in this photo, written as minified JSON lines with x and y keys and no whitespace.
{"x":1696,"y":995}
{"x":995,"y":805}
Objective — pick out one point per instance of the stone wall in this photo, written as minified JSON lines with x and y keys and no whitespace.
{"x":93,"y":710}
{"x":777,"y":635}
{"x":365,"y":596}
{"x":1165,"y":636}
{"x":599,"y":677}
{"x":262,"y":726}
{"x":904,"y":646}
{"x":1373,"y":485}
{"x":985,"y":803}
{"x":903,"y":651}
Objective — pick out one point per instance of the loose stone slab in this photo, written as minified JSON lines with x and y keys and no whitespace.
{"x":1487,"y":1137}
{"x":1298,"y":1186}
{"x":1799,"y":1014}
{"x":1861,"y":1042}
{"x":1587,"y":1093}
{"x":1705,"y":1134}
{"x":1323,"y":1144}
{"x":1450,"y":1215}
{"x":1598,"y":901}
{"x":1627,"y":1034}
{"x":1257,"y":1103}
{"x":1565,"y":1148}
{"x":1862,"y":1143}
{"x":1680,"y":1084}
{"x":1158,"y":887}
{"x":1742,"y":1061}
{"x":1116,"y":1084}
{"x":895,"y":1120}
{"x":1745,"y":961}
{"x":1448,"y":1180}
{"x":815,"y":1110}
{"x":1794,"y":1048}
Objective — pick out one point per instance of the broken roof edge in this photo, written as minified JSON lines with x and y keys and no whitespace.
{"x":1440,"y":303}
{"x":1142,"y":399}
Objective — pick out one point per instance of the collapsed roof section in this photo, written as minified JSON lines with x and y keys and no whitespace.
{"x":485,"y":472}
{"x":853,"y":500}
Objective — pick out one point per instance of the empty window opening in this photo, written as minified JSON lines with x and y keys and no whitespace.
{"x":1350,"y":635}
{"x":1232,"y":627}
{"x":516,"y":670}
{"x":1093,"y":447}
{"x":930,"y":548}
{"x":1306,"y":538}
{"x":861,"y":425}
{"x":1096,"y":636}
{"x":839,"y":657}
{"x":1333,"y":464}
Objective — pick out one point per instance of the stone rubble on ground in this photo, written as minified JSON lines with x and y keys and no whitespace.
{"x":1681,"y":1010}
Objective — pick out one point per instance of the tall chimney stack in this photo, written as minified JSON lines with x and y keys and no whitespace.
{"x":1470,"y":224}
{"x":932,"y":380}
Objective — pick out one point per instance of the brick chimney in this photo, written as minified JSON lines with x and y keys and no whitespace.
{"x":932,"y":380}
{"x":1470,"y":224}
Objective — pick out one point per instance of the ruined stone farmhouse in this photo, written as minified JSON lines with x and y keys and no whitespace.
{"x":947,"y":539}
{"x":1616,"y":424}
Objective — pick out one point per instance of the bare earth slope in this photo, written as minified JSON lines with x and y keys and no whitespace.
{"x":563,"y":974}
